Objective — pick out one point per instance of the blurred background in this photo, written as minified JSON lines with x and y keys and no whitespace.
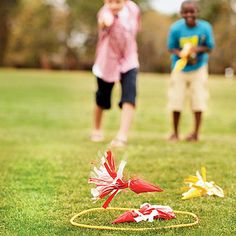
{"x":62,"y":34}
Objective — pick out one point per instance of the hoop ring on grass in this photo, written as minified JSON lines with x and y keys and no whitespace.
{"x":98,"y":227}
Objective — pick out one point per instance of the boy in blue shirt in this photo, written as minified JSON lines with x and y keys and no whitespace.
{"x":196,"y":35}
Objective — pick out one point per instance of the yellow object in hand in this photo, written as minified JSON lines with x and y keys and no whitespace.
{"x":182,"y":62}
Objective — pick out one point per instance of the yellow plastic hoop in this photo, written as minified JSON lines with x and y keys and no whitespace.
{"x":72,"y":221}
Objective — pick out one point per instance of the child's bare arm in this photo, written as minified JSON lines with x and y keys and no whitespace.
{"x":200,"y":49}
{"x":175,"y":52}
{"x":197,"y":49}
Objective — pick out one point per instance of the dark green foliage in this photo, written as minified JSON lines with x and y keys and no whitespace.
{"x":212,"y":10}
{"x":33,"y":34}
{"x":7,"y":7}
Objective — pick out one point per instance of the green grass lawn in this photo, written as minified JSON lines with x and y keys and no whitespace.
{"x":46,"y":154}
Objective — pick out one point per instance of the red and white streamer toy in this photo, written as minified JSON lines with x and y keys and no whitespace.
{"x":146,"y":212}
{"x":109,"y":181}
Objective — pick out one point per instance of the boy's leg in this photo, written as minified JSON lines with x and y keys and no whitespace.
{"x":127,"y":104}
{"x":197,"y":123}
{"x":199,"y":96}
{"x":175,"y":119}
{"x":103,"y":102}
{"x":176,"y":97}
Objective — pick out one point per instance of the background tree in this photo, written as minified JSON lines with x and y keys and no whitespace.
{"x":41,"y":34}
{"x":211,"y":10}
{"x":7,"y":9}
{"x":153,"y":52}
{"x":37,"y":33}
{"x":222,"y":15}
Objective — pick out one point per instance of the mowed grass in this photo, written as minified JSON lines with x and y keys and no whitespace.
{"x":46,"y":154}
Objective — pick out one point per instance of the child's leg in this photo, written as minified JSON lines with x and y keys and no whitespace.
{"x":127,"y":103}
{"x":103,"y":102}
{"x":197,"y":123}
{"x":127,"y":115}
{"x":176,"y":97}
{"x":199,"y":96}
{"x":175,"y":119}
{"x":98,"y":112}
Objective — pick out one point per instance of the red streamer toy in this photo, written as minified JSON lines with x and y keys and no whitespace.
{"x":147,"y":212}
{"x":110,"y":182}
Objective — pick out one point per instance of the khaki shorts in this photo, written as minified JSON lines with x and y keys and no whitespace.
{"x":191,"y":84}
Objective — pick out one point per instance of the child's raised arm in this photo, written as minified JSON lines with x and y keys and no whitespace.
{"x":105,"y":19}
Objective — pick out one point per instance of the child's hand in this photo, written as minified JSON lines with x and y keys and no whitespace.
{"x":106,"y":20}
{"x":186,"y":51}
{"x":194,"y":50}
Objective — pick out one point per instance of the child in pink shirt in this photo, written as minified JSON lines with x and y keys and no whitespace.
{"x":116,"y":60}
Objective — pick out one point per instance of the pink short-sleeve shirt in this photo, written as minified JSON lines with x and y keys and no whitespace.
{"x":116,"y":51}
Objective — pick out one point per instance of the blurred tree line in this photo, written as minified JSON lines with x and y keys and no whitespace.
{"x":57,"y":34}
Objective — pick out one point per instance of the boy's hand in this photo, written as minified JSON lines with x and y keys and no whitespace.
{"x":199,"y":49}
{"x":186,"y":51}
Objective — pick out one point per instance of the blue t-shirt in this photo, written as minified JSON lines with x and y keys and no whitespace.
{"x":199,"y":35}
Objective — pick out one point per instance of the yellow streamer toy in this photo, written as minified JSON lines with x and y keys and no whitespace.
{"x":184,"y":54}
{"x":198,"y":186}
